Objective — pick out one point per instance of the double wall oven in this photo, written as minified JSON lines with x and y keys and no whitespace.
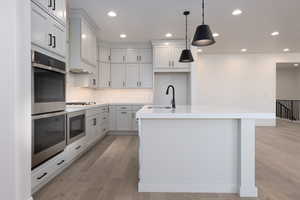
{"x":49,"y":119}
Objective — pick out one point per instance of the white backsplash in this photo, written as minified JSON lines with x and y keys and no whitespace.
{"x":110,"y":95}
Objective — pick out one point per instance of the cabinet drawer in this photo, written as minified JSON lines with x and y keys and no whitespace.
{"x":42,"y":174}
{"x":104,"y":109}
{"x":124,"y":107}
{"x":74,"y":149}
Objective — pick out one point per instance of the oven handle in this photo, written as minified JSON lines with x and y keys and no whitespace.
{"x":41,"y":66}
{"x":48,"y":115}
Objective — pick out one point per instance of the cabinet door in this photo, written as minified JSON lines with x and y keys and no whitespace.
{"x":112,"y":119}
{"x":162,"y":57}
{"x":104,"y":75}
{"x":132,"y":56}
{"x":99,"y":129}
{"x":132,"y":75}
{"x":176,"y":52}
{"x":39,"y":27}
{"x":118,"y":75}
{"x":59,"y":38}
{"x":84,"y":41}
{"x":93,"y":47}
{"x":59,"y":10}
{"x":104,"y":54}
{"x":118,"y":55}
{"x":134,"y":121}
{"x":124,"y":119}
{"x":145,"y":56}
{"x":146,"y":75}
{"x":91,"y":123}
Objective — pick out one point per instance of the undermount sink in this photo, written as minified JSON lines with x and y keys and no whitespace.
{"x":159,"y":107}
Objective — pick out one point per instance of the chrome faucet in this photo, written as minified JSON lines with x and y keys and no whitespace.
{"x":173,"y":99}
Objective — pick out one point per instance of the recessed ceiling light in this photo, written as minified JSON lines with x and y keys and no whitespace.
{"x":286,"y":50}
{"x":296,"y":64}
{"x":166,"y":43}
{"x":275,"y":33}
{"x":168,"y":35}
{"x":237,"y":12}
{"x":243,"y":50}
{"x":123,"y":36}
{"x":83,"y":36}
{"x":216,"y":34}
{"x":112,"y":14}
{"x":200,"y":50}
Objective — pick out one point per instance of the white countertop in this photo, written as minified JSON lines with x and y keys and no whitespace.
{"x":205,"y":112}
{"x":75,"y":108}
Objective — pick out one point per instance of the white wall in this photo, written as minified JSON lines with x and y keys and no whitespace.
{"x":237,"y":80}
{"x":15,"y":137}
{"x":288,"y":83}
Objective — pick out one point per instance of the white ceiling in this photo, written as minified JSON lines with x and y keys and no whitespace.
{"x":145,"y":20}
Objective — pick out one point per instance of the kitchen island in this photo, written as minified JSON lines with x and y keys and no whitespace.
{"x":198,"y":149}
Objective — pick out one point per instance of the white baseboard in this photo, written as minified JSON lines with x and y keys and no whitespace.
{"x":191,"y":188}
{"x":248,"y":192}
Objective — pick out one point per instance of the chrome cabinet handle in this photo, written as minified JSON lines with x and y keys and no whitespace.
{"x":123,"y":107}
{"x":61,"y":162}
{"x":95,"y":122}
{"x":123,"y":112}
{"x":45,"y":174}
{"x":173,"y":63}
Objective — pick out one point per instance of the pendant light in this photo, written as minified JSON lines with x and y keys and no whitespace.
{"x":186,"y":55}
{"x":203,"y":35}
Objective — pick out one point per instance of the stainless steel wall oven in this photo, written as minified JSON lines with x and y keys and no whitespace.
{"x":48,"y":136}
{"x":48,"y":84}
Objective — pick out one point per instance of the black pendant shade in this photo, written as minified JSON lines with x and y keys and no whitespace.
{"x":203,"y":35}
{"x":186,"y":55}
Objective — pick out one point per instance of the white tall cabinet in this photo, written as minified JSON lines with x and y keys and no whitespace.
{"x":46,"y":31}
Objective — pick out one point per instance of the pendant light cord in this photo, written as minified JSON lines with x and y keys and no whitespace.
{"x":186,"y":32}
{"x":202,"y":11}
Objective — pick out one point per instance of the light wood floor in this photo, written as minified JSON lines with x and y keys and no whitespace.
{"x":109,"y":171}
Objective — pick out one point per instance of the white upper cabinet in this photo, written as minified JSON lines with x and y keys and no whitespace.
{"x":39,"y":27}
{"x":132,"y":76}
{"x":166,"y":57}
{"x":104,"y":75}
{"x":83,"y":44}
{"x":118,"y":55}
{"x":46,"y":32}
{"x":162,"y":57}
{"x":118,"y":75}
{"x":56,"y":8}
{"x":104,"y":54}
{"x":59,"y":38}
{"x":146,"y":76}
{"x":132,"y":56}
{"x":88,"y":43}
{"x":145,"y":56}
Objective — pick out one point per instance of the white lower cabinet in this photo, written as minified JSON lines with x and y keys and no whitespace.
{"x":123,"y":117}
{"x":44,"y":173}
{"x":123,"y":120}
